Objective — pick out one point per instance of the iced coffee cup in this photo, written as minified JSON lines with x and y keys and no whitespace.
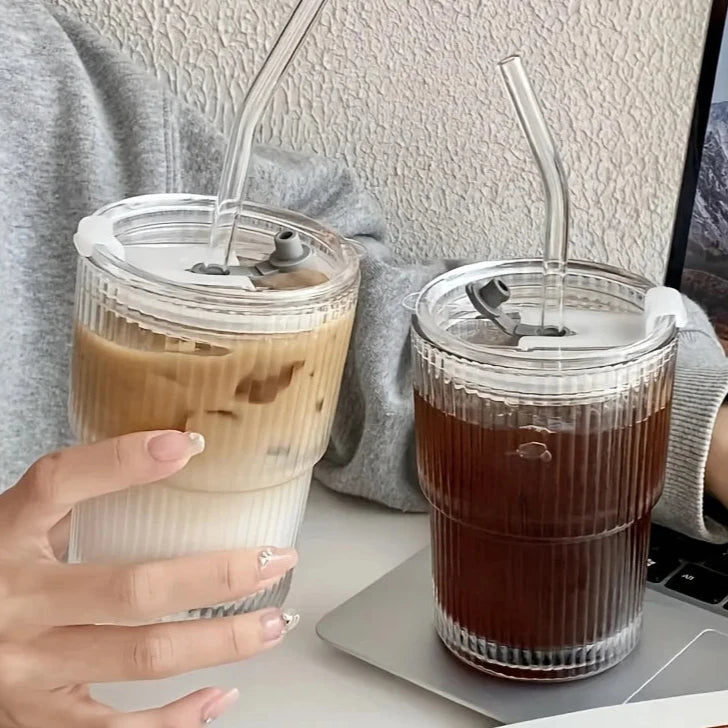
{"x":252,"y":360}
{"x":542,"y":454}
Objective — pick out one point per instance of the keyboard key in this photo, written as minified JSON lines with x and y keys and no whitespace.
{"x":660,"y":565}
{"x":719,"y":560}
{"x":700,"y":583}
{"x":660,"y":536}
{"x":689,"y":549}
{"x":686,"y":549}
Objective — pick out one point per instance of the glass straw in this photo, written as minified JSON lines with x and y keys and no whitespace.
{"x":240,"y":145}
{"x":544,"y":150}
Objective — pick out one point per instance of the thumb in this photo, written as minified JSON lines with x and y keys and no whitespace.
{"x":193,"y":711}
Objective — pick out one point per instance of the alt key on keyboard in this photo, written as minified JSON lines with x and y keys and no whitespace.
{"x":700,"y":583}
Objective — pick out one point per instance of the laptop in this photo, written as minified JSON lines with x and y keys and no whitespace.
{"x":684,"y":648}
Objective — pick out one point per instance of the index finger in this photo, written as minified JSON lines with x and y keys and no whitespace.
{"x":57,"y":482}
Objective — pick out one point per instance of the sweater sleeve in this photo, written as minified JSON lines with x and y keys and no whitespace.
{"x":701,"y":386}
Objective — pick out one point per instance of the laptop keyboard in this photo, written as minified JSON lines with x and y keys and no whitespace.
{"x":690,"y":569}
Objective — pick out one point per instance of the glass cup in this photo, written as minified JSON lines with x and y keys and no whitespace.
{"x":542,"y":467}
{"x":257,"y":372}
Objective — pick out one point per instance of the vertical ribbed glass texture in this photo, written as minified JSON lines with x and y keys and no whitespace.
{"x":260,"y":383}
{"x":541,"y":500}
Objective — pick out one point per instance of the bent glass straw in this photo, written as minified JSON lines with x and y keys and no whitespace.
{"x":547,"y":157}
{"x":240,"y":146}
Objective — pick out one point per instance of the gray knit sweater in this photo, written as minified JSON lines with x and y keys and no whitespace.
{"x":81,"y":126}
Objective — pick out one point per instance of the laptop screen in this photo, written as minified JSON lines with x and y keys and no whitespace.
{"x":698,"y":262}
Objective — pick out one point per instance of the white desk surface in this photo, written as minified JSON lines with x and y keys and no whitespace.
{"x":345,"y":545}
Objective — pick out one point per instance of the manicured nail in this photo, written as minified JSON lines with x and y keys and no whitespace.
{"x":275,"y":624}
{"x":217,"y":706}
{"x":175,"y":446}
{"x":274,"y":561}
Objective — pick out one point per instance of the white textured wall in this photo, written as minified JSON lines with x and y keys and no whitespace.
{"x":408,"y":92}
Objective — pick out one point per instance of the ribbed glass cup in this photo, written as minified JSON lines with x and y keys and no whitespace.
{"x":542,"y":476}
{"x":256,"y":372}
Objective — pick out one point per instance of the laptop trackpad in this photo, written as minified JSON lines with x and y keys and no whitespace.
{"x":698,"y":668}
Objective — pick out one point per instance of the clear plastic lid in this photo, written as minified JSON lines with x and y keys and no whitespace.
{"x":286,"y":273}
{"x":610,"y":316}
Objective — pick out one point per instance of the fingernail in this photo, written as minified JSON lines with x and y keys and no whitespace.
{"x":274,"y":561}
{"x":175,"y":446}
{"x":275,"y":624}
{"x":217,"y":706}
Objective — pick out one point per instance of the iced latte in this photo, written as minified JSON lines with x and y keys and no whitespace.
{"x":256,"y":370}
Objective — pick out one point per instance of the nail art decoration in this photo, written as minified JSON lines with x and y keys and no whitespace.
{"x":265,"y":557}
{"x":290,"y":621}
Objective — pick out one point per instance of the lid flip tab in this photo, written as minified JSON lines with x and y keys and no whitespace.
{"x":662,"y":301}
{"x":96,"y":230}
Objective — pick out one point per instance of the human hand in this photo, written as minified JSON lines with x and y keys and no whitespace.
{"x":55,"y":618}
{"x":716,"y":469}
